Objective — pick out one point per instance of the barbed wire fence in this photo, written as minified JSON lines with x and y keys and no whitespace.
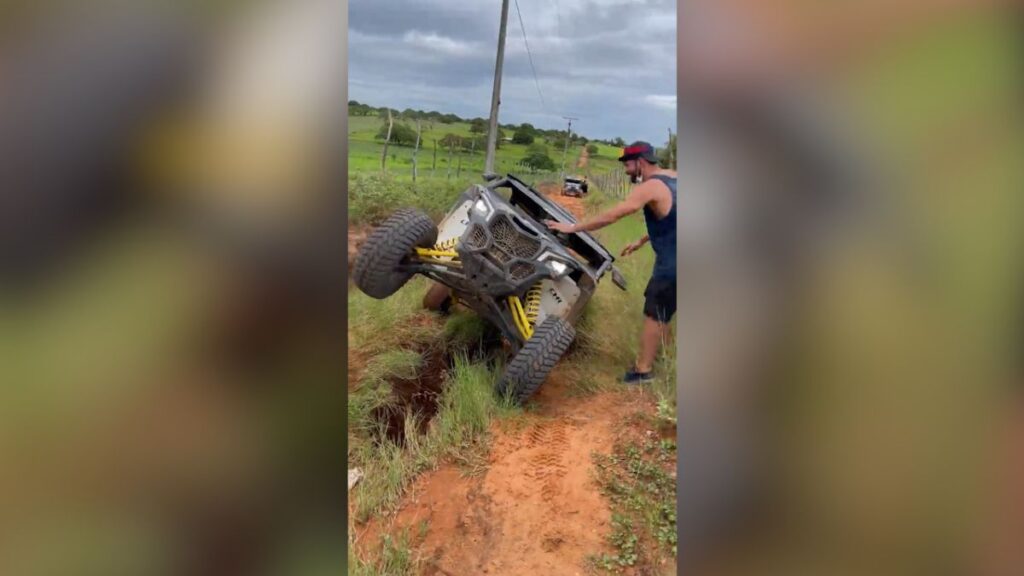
{"x":614,"y":183}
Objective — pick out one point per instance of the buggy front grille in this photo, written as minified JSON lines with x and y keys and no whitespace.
{"x":476,"y":238}
{"x":511,"y":241}
{"x":506,"y":245}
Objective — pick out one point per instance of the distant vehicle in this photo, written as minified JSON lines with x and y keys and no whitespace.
{"x":574,"y":186}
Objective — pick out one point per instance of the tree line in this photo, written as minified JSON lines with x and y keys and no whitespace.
{"x":396,"y":130}
{"x":524,"y":133}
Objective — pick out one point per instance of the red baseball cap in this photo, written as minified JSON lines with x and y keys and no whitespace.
{"x":639,"y":149}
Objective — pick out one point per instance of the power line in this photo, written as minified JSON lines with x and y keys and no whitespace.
{"x":568,"y":135}
{"x":530,"y":56}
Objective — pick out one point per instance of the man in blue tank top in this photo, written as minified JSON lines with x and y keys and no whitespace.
{"x":655,"y":194}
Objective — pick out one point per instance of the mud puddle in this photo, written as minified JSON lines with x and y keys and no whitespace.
{"x":419,"y":396}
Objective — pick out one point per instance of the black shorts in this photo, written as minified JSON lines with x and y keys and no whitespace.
{"x":660,"y":299}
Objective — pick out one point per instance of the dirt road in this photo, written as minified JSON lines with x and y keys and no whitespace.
{"x":570,"y":203}
{"x":536,"y":509}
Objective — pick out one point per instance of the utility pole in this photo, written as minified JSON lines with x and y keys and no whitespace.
{"x":492,"y":132}
{"x":568,"y":135}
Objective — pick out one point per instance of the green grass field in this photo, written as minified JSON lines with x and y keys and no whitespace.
{"x":364,"y":154}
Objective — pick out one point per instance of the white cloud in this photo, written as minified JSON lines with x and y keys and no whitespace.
{"x":664,"y":101}
{"x":438,"y":43}
{"x":439,"y":54}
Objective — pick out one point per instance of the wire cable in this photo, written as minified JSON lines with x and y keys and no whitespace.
{"x":530,"y":56}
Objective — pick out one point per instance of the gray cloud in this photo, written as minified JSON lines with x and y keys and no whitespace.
{"x":612,"y":63}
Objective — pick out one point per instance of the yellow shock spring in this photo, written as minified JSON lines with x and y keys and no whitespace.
{"x":519,"y":317}
{"x":448,"y":244}
{"x":444,"y":249}
{"x":533,"y":303}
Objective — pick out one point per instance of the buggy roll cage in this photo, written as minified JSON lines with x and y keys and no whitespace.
{"x":541,"y":208}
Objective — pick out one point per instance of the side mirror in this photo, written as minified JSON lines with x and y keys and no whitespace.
{"x":618,"y":279}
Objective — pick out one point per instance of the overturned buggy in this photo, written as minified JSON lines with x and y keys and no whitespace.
{"x":493,"y":253}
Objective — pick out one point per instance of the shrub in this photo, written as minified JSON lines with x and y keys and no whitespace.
{"x":538,"y":161}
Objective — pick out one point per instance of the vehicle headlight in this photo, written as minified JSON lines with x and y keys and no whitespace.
{"x":558,"y":267}
{"x":481,"y":206}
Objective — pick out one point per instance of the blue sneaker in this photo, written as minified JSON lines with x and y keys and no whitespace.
{"x":634,"y":377}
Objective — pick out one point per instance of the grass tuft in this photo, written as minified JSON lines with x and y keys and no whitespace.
{"x":395,"y":558}
{"x":635,"y":478}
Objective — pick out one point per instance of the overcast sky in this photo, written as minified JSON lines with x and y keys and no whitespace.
{"x":609,"y":63}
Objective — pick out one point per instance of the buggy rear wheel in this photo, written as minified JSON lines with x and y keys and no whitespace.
{"x":376,"y":270}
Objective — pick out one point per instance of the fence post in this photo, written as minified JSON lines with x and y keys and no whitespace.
{"x":415,"y":150}
{"x":451,"y":143}
{"x":384,"y":154}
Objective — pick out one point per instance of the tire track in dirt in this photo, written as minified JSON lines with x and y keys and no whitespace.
{"x":546,"y":464}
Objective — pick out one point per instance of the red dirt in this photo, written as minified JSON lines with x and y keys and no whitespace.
{"x":537,"y":509}
{"x":570,"y":203}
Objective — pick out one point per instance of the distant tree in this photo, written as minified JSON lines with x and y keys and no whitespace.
{"x":537,"y":148}
{"x":401,"y":134}
{"x":476,"y":143}
{"x":521,"y":137}
{"x":478,"y":126}
{"x":592,"y":149}
{"x":538,"y":161}
{"x":619,"y":143}
{"x":450,"y":140}
{"x":524,"y":135}
{"x":357,"y":109}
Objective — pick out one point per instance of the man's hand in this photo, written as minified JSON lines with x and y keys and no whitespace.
{"x":631,"y":247}
{"x":561,"y":226}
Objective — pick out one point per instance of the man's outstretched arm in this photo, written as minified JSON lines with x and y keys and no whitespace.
{"x":635,"y":201}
